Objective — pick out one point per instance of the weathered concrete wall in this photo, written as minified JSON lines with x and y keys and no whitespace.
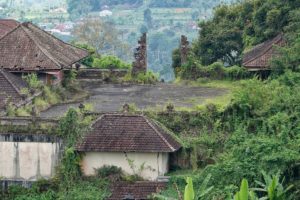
{"x":26,"y":121}
{"x":28,"y":157}
{"x":101,"y":74}
{"x":155,"y":164}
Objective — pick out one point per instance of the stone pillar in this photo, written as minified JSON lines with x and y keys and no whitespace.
{"x":184,"y":49}
{"x":140,"y":56}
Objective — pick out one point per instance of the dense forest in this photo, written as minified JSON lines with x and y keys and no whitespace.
{"x":258,"y":131}
{"x":236,"y":28}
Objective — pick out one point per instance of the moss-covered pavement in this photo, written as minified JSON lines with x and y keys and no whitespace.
{"x":111,"y":97}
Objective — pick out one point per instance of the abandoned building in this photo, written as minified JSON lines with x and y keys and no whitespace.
{"x":259,"y":57}
{"x":28,"y":157}
{"x":27,"y":48}
{"x":130,"y":142}
{"x":11,"y":90}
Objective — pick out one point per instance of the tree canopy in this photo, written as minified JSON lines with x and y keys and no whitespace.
{"x":235,"y":28}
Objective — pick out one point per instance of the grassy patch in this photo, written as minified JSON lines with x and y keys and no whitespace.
{"x":220,"y":101}
{"x":203,"y":82}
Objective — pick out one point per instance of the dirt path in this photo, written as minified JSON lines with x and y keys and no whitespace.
{"x":111,"y":97}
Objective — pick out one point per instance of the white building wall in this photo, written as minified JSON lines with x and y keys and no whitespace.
{"x":28,"y":160}
{"x":155,"y":164}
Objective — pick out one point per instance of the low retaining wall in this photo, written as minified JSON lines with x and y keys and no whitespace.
{"x":25,"y":158}
{"x":25,"y":121}
{"x":102,"y":74}
{"x":4,"y":184}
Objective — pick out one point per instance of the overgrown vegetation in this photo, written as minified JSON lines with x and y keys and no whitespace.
{"x":233,"y":30}
{"x":110,"y":62}
{"x":44,"y":96}
{"x":142,"y":78}
{"x":193,"y":70}
{"x":68,"y":182}
{"x":257,"y":132}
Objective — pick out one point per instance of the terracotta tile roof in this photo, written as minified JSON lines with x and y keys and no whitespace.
{"x":10,"y":88}
{"x":29,"y":48}
{"x":137,"y":190}
{"x":260,"y":55}
{"x":130,"y":133}
{"x":7,"y":25}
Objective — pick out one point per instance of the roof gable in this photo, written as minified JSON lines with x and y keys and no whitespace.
{"x":130,"y":133}
{"x":137,"y":190}
{"x":29,"y":48}
{"x":10,"y":89}
{"x":260,"y":55}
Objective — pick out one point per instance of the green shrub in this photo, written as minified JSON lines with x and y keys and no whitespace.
{"x":236,"y":73}
{"x":10,"y":110}
{"x":24,"y":111}
{"x":147,"y":78}
{"x":69,"y":78}
{"x":88,"y":61}
{"x":32,"y":81}
{"x":86,"y":190}
{"x":215,"y":71}
{"x":106,"y":171}
{"x":40,"y":103}
{"x":110,"y":62}
{"x":142,"y":78}
{"x":50,"y":96}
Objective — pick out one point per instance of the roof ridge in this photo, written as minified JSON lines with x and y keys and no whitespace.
{"x":97,"y":120}
{"x":159,"y":134}
{"x":276,"y":39}
{"x":9,"y":81}
{"x":44,"y":51}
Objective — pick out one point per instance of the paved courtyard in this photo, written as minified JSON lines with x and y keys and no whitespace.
{"x":111,"y":97}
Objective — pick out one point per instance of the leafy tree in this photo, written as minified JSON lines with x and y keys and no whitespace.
{"x":102,"y":36}
{"x":288,"y":60}
{"x":235,"y":28}
{"x":221,"y":38}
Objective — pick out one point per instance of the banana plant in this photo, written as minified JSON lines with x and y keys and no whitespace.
{"x":189,"y":193}
{"x":273,"y":187}
{"x":244,"y":193}
{"x":204,"y":190}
